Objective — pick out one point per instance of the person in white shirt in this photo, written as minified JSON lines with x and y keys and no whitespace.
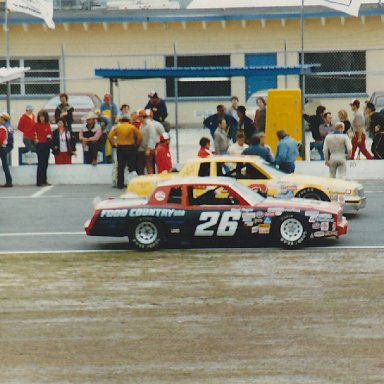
{"x":238,"y":147}
{"x":337,"y":149}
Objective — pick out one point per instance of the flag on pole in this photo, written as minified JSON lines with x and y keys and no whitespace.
{"x":43,"y":9}
{"x":347,"y":6}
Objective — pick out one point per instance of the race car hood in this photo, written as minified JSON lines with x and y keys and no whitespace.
{"x":336,"y":185}
{"x":300,"y":204}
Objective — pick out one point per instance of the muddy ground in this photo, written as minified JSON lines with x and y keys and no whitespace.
{"x":219,"y":316}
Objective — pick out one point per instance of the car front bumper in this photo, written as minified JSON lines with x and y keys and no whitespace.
{"x":354,"y":203}
{"x":342,"y":227}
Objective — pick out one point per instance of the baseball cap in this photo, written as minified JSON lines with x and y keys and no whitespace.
{"x":153,"y":94}
{"x":165,"y":136}
{"x":355,"y":102}
{"x":5,"y":116}
{"x":29,"y":107}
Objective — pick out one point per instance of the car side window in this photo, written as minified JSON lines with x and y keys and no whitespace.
{"x":253,"y":173}
{"x":204,"y":169}
{"x":211,"y":195}
{"x":175,"y":196}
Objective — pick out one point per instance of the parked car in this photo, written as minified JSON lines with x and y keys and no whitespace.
{"x":377,"y":99}
{"x":210,"y":211}
{"x":263,"y":177}
{"x":83,"y":103}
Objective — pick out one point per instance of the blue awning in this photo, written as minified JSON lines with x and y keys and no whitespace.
{"x":176,"y":72}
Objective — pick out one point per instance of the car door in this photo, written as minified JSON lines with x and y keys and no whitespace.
{"x":212,"y":212}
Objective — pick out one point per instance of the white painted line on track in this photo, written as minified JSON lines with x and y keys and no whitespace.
{"x":32,"y":197}
{"x":42,"y":191}
{"x":16,"y":234}
{"x":64,"y":251}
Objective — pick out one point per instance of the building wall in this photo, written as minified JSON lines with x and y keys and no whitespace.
{"x":89,"y":46}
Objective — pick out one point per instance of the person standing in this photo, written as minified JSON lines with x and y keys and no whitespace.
{"x":4,"y":152}
{"x":63,"y":143}
{"x":343,"y":117}
{"x":158,"y":108}
{"x":314,"y":122}
{"x":128,"y":138}
{"x":25,"y":125}
{"x":105,"y":107}
{"x":232,"y":111}
{"x":286,"y":152}
{"x":64,"y":111}
{"x":205,"y":144}
{"x":221,"y":141}
{"x":90,"y":138}
{"x":260,"y":115}
{"x":238,"y":147}
{"x":245,"y":124}
{"x":146,"y":151}
{"x":163,"y":154}
{"x":212,"y":121}
{"x":376,"y":129}
{"x":358,"y":126}
{"x":43,"y":136}
{"x":337,"y":148}
{"x":256,"y":149}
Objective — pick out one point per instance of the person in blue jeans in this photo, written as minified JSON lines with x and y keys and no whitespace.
{"x":4,"y":150}
{"x":286,"y":152}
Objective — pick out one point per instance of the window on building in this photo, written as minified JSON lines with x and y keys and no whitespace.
{"x":330,"y":62}
{"x":200,"y":87}
{"x":42,"y":79}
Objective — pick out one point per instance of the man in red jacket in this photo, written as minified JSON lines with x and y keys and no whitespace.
{"x":163,"y":154}
{"x":26,"y":123}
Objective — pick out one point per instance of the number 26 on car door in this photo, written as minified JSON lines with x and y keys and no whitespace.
{"x":228,"y":223}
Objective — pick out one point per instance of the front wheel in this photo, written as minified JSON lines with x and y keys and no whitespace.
{"x":146,"y":234}
{"x":291,"y":231}
{"x":313,"y":194}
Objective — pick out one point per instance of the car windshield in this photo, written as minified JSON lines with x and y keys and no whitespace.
{"x":272,"y":170}
{"x":252,"y":197}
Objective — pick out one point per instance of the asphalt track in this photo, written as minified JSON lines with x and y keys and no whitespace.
{"x":49,"y":219}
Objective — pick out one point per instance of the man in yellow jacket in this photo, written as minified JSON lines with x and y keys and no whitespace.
{"x":126,"y":137}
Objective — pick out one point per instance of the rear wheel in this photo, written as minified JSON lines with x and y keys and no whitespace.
{"x":291,"y":230}
{"x":313,"y":194}
{"x":146,"y":234}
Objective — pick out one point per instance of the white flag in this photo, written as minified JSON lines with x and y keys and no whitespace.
{"x":347,"y":6}
{"x":42,"y":9}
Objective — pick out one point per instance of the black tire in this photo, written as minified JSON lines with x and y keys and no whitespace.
{"x":291,"y":230}
{"x":146,"y":234}
{"x":313,"y":194}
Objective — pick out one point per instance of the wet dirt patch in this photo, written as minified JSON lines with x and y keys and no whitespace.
{"x":218,"y":316}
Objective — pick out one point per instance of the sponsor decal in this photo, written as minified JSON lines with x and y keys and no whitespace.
{"x":175,"y":230}
{"x":156,"y":212}
{"x":255,"y":229}
{"x":312,"y":219}
{"x":268,"y":220}
{"x":332,"y":233}
{"x":264,"y":229}
{"x":312,"y":213}
{"x":160,"y":195}
{"x":316,"y":225}
{"x":319,"y":234}
{"x":325,"y":216}
{"x":324,"y":226}
{"x":249,"y":216}
{"x":114,"y":213}
{"x":269,"y":214}
{"x":259,"y":214}
{"x":258,"y":221}
{"x":248,"y":223}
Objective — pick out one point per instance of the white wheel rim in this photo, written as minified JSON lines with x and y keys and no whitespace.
{"x":146,"y":233}
{"x":291,"y":230}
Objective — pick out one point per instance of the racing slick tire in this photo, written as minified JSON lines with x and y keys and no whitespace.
{"x":291,"y":230}
{"x":146,"y":234}
{"x":313,"y":194}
